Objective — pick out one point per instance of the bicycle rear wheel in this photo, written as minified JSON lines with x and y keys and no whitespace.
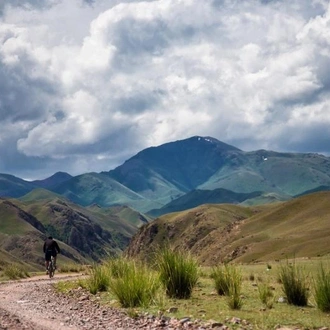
{"x":51,"y":268}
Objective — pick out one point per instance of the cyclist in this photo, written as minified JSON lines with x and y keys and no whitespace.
{"x":51,"y":248}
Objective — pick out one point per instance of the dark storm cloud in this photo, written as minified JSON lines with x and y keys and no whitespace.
{"x":112,"y":77}
{"x":26,"y":4}
{"x":22,"y":98}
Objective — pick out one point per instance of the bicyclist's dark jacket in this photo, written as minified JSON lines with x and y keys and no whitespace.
{"x":51,"y":247}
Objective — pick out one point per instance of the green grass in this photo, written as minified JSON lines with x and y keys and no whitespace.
{"x":135,"y":286}
{"x":266,"y":295}
{"x":295,"y":285}
{"x":99,"y":279}
{"x":322,"y":289}
{"x":14,"y":272}
{"x":205,"y":304}
{"x":178,"y":272}
{"x":72,"y":268}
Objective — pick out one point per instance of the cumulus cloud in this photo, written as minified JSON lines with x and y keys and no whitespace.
{"x":93,"y":82}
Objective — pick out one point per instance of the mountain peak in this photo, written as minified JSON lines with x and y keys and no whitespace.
{"x":212,"y":140}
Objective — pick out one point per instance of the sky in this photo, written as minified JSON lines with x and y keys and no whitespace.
{"x":86,"y":84}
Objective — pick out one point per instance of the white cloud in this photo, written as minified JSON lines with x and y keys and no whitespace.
{"x":245,"y":72}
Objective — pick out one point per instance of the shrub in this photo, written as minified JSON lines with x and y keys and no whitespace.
{"x":136,"y":286}
{"x":178,"y":272}
{"x":98,"y":280}
{"x":322,"y":290}
{"x":14,"y":271}
{"x":294,"y":284}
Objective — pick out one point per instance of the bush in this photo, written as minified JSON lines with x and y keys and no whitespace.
{"x":178,"y":273}
{"x":14,"y":272}
{"x":294,"y":284}
{"x":322,"y":290}
{"x":98,"y":280}
{"x":135,"y":286}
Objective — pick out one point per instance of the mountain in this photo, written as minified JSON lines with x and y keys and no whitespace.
{"x":52,"y":181}
{"x":182,"y":172}
{"x":95,"y":188}
{"x":11,"y":186}
{"x":168,"y":171}
{"x":225,"y":232}
{"x":84,"y":234}
{"x":198,"y":197}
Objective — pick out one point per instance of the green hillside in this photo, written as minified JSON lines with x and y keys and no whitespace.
{"x":94,"y":188}
{"x":286,"y":174}
{"x":198,"y":197}
{"x":222,"y":232}
{"x":85,"y":234}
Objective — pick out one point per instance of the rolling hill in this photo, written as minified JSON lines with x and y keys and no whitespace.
{"x":85,"y":234}
{"x":217,"y":233}
{"x":198,"y":197}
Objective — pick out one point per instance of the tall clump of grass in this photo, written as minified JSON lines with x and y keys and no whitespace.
{"x":266,"y":295}
{"x":135,"y":285}
{"x":14,"y":271}
{"x":234,"y":297}
{"x":221,"y":276}
{"x":294,"y":284}
{"x":118,"y":266}
{"x":322,"y":290}
{"x":178,"y":271}
{"x":98,"y":280}
{"x":228,"y":282}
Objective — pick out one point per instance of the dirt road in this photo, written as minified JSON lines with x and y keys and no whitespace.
{"x":33,"y":304}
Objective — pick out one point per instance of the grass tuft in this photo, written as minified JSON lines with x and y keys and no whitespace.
{"x":294,"y":284}
{"x":98,"y":280}
{"x":266,"y":295}
{"x":178,"y":272}
{"x":135,"y":285}
{"x":14,"y":272}
{"x":72,"y":268}
{"x":322,"y":290}
{"x":118,"y":267}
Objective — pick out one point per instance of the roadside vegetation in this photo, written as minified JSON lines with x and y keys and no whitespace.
{"x":254,"y":294}
{"x":14,"y":272}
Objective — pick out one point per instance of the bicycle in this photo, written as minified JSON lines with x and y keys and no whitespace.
{"x":51,"y":267}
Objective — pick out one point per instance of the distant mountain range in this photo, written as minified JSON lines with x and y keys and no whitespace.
{"x":187,"y":173}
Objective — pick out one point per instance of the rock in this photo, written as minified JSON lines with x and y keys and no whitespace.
{"x":184,"y":320}
{"x":172,"y":310}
